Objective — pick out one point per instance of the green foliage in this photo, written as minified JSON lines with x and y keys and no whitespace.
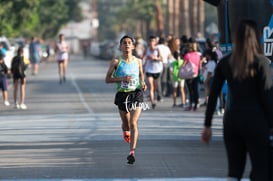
{"x":53,"y":14}
{"x":6,"y":27}
{"x":107,"y":15}
{"x":74,"y":12}
{"x":121,"y":15}
{"x":116,"y":16}
{"x":139,"y":9}
{"x":42,"y":18}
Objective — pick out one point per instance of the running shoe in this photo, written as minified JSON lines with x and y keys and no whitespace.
{"x":204,"y":104}
{"x":23,"y":106}
{"x":127,"y":136}
{"x":7,"y":103}
{"x":159,"y":99}
{"x":16,"y":106}
{"x":194,"y":108}
{"x":131,"y":158}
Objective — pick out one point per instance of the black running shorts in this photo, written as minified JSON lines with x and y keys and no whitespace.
{"x":154,"y":75}
{"x":128,"y":101}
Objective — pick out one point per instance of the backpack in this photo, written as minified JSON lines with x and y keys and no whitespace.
{"x":187,"y":71}
{"x":18,"y":66}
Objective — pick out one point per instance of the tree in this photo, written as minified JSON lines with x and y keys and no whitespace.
{"x":108,"y":18}
{"x":6,"y":26}
{"x":138,"y":17}
{"x":54,"y":14}
{"x":41,"y":18}
{"x":184,"y":18}
{"x":147,"y":17}
{"x":176,"y":10}
{"x":159,"y":18}
{"x":18,"y":17}
{"x":144,"y":12}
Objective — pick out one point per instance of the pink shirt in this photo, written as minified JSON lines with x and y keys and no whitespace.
{"x":195,"y":58}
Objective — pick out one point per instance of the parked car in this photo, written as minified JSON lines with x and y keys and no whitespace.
{"x":95,"y":49}
{"x":105,"y":50}
{"x":10,"y":50}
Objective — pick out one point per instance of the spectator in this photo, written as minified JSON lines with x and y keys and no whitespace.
{"x":208,"y":71}
{"x":18,"y":68}
{"x":140,"y":47}
{"x":184,"y":41}
{"x":3,"y":80}
{"x":249,"y":111}
{"x":194,"y":56}
{"x":165,"y":52}
{"x":177,"y":82}
{"x":174,"y":45}
{"x":34,"y":55}
{"x":3,"y":50}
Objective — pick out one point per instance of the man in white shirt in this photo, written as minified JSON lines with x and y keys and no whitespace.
{"x":166,"y":55}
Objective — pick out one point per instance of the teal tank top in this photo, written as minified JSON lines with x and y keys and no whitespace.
{"x":123,"y":69}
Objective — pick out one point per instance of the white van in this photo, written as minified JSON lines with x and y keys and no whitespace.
{"x":10,"y":51}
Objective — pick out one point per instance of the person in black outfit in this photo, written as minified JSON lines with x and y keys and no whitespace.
{"x":4,"y":71}
{"x":18,"y":68}
{"x":248,"y":114}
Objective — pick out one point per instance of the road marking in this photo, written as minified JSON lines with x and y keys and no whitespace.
{"x":74,"y":83}
{"x":135,"y":179}
{"x":102,"y":126}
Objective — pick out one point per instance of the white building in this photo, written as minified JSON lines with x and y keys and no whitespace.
{"x":77,"y":33}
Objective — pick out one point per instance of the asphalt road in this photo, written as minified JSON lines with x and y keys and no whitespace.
{"x":72,"y":132}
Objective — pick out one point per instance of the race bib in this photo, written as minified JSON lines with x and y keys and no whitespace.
{"x":129,"y":85}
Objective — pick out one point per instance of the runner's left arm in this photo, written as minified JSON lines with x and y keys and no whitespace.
{"x":141,"y":75}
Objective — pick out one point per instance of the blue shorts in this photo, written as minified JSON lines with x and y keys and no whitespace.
{"x":35,"y":58}
{"x":3,"y":83}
